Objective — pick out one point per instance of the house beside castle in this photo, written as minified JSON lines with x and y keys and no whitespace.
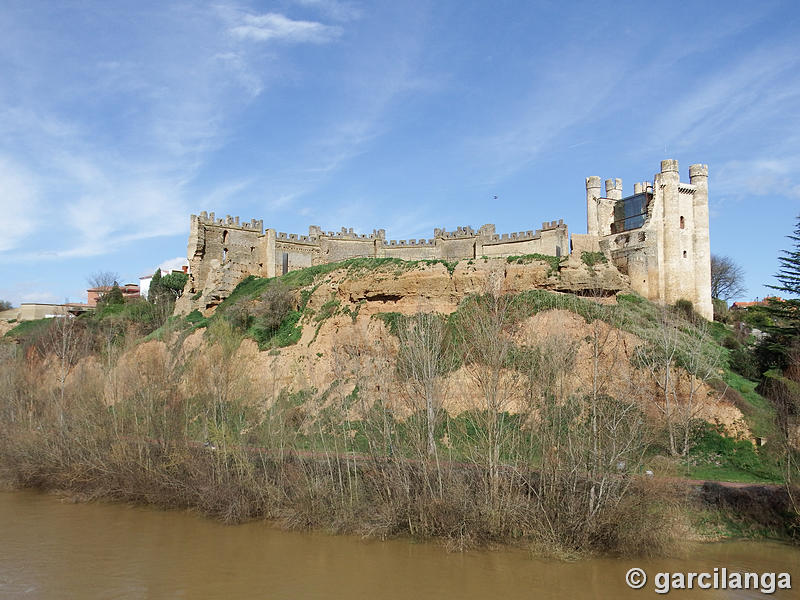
{"x":658,"y":237}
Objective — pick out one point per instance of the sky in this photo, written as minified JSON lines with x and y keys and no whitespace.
{"x":120,"y":119}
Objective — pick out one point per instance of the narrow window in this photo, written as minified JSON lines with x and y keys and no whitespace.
{"x":683,"y":224}
{"x":684,"y":254}
{"x":224,"y":254}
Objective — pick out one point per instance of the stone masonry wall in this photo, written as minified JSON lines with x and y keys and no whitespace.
{"x":666,"y":259}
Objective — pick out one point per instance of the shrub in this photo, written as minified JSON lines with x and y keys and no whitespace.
{"x":710,"y":443}
{"x":721,"y":311}
{"x":275,"y":304}
{"x":591,"y":259}
{"x":743,"y":361}
{"x":685,"y":308}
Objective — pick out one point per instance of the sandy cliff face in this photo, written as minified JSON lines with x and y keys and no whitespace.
{"x":352,"y":347}
{"x":433,"y":285}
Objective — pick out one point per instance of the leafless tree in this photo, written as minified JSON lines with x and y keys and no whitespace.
{"x":700,"y":359}
{"x":727,"y":278}
{"x":425,"y":356}
{"x":485,"y":329}
{"x":103,"y":279}
{"x":676,"y":352}
{"x":66,"y":341}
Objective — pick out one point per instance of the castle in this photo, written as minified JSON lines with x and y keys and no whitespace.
{"x":658,"y":237}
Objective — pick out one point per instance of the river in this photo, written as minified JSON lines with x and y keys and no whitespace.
{"x":52,"y":548}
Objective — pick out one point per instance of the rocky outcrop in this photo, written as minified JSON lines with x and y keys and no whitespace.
{"x":430,"y":285}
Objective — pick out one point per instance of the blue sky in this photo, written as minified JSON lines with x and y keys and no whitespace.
{"x":120,"y":119}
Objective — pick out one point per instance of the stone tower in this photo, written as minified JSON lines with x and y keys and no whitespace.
{"x":659,"y":236}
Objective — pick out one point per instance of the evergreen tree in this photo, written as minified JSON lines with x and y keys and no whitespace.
{"x":174,"y":284}
{"x":784,"y":331}
{"x":113,"y":296}
{"x":155,"y":294}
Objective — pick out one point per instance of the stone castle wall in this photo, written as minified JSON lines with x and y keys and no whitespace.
{"x":667,"y":257}
{"x":223,"y":251}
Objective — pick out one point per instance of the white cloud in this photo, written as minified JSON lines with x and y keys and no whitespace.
{"x":765,"y":177}
{"x":759,"y":90}
{"x":557,"y":100}
{"x":20,"y":201}
{"x":172,"y":264}
{"x":274,"y":26}
{"x":168,"y":102}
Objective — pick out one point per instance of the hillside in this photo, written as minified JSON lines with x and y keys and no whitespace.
{"x":342,"y":330}
{"x":477,"y":402}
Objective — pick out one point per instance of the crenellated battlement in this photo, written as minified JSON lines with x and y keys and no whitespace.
{"x":657,"y":237}
{"x":294,"y":237}
{"x":412,"y":243}
{"x":522,"y":236}
{"x":348,"y":234}
{"x":460,"y":232}
{"x":229,"y":222}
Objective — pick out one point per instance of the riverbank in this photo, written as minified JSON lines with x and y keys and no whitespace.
{"x":383,"y":499}
{"x":524,"y":419}
{"x":50,"y":546}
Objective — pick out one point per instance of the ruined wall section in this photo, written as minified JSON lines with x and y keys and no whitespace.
{"x":413,"y":249}
{"x":292,"y":251}
{"x":221,"y":252}
{"x":344,"y":244}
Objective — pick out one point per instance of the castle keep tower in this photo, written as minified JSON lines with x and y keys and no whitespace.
{"x":658,"y":236}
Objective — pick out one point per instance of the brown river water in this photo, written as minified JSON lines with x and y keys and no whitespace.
{"x":51,"y":548}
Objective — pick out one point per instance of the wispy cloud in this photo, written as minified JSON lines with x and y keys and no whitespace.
{"x":108,"y":152}
{"x":759,"y":177}
{"x":275,"y":26}
{"x":21,"y":204}
{"x":335,"y":9}
{"x":760,"y":89}
{"x":565,"y":90}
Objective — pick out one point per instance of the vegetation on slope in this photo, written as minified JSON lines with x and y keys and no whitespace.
{"x":192,"y":430}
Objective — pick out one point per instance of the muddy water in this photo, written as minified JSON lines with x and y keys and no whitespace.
{"x":54,"y":549}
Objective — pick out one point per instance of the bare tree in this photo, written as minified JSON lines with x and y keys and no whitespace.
{"x":659,"y":357}
{"x":66,"y":341}
{"x":485,"y":331}
{"x":424,"y":358}
{"x":103,"y":279}
{"x":700,"y":359}
{"x":674,"y":354}
{"x":727,"y":278}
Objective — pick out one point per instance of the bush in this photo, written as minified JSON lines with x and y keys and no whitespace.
{"x":721,"y":311}
{"x":685,"y":308}
{"x":710,"y":444}
{"x":743,"y":361}
{"x":275,"y":304}
{"x":591,"y":259}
